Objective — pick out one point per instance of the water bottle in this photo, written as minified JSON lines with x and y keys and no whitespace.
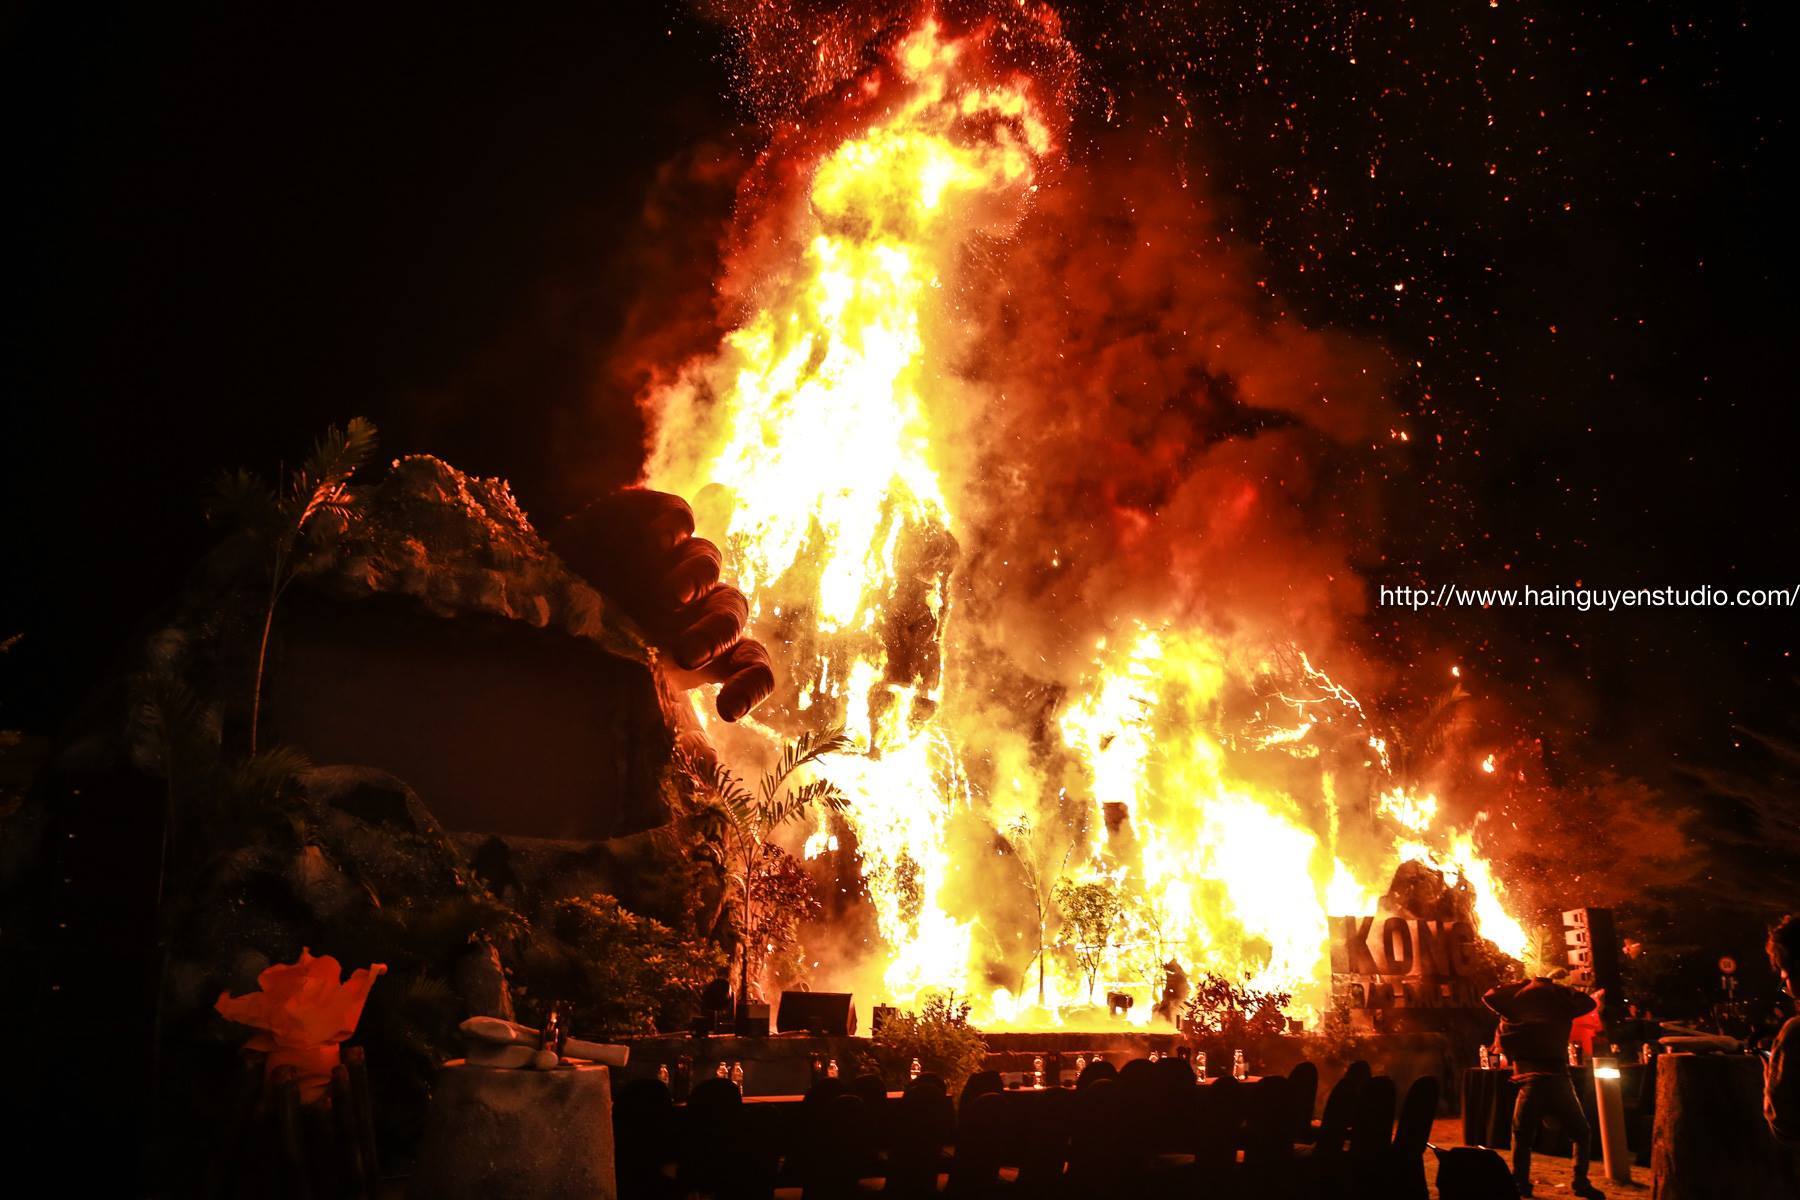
{"x":737,"y":1073}
{"x":1080,"y":1063}
{"x":1486,"y":1061}
{"x":724,"y":1072}
{"x":1200,"y":1065}
{"x":912,"y":1072}
{"x":1574,"y":1054}
{"x":1037,"y":1071}
{"x":831,"y":1070}
{"x":1239,"y":1068}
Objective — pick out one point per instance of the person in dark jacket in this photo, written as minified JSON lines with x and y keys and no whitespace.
{"x":1535,"y":1018}
{"x":1781,"y":1084}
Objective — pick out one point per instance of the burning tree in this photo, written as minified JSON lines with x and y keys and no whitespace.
{"x":741,"y":822}
{"x":1092,"y":910}
{"x":1221,"y":1007}
{"x":1026,"y":845}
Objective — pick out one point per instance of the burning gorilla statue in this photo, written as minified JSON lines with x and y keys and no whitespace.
{"x":638,"y":547}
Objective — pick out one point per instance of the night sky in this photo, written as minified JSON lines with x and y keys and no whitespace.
{"x":236,"y":228}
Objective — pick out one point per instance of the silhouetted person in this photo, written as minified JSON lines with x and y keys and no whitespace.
{"x":1535,"y":1017}
{"x":1175,"y":993}
{"x":1781,"y":1086}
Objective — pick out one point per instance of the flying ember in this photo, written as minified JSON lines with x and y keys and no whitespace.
{"x":1179,"y":789}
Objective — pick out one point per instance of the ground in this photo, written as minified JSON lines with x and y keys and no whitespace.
{"x":1549,"y":1176}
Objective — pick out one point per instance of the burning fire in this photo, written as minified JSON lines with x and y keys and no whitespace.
{"x":1229,"y":797}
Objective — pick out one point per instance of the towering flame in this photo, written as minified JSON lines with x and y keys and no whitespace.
{"x":1197,"y":779}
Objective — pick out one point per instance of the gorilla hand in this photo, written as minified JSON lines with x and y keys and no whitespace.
{"x":639,"y":548}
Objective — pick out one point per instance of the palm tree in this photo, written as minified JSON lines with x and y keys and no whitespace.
{"x":743,"y":821}
{"x":277,"y":518}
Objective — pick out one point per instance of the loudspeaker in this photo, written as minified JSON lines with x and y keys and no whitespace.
{"x":1591,"y":946}
{"x":753,"y":1020}
{"x":830,"y":1013}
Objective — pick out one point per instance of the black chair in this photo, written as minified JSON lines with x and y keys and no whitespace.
{"x":826,"y":1090}
{"x":1136,"y":1076}
{"x":645,"y":1140}
{"x":1333,"y":1129}
{"x":1215,"y":1113}
{"x":980,"y":1084}
{"x":1406,"y":1169}
{"x":923,"y":1123}
{"x":717,"y":1156}
{"x":1372,"y":1137}
{"x":1324,"y":1164}
{"x":1037,"y":1140}
{"x":932,"y":1081}
{"x":1098,"y":1163}
{"x":871,"y":1089}
{"x":1268,"y":1169}
{"x":980,"y":1144}
{"x":841,"y":1150}
{"x":1303,"y":1094}
{"x":1094,"y":1072}
{"x":1173,"y":1082}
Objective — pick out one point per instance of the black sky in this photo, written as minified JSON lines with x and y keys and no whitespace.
{"x":234,"y":227}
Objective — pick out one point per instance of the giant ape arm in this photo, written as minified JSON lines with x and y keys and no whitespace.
{"x":638,"y":547}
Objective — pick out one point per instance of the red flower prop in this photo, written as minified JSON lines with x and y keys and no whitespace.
{"x":304,"y":1011}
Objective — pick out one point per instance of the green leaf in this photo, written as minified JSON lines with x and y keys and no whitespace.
{"x":803,"y":750}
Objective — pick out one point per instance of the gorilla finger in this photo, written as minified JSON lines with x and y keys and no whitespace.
{"x":751,"y":681}
{"x":709,"y":626}
{"x":694,"y":569}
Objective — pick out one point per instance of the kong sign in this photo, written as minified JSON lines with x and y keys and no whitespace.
{"x":1400,"y":962}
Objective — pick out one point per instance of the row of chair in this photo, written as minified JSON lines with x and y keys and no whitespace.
{"x":1145,"y":1130}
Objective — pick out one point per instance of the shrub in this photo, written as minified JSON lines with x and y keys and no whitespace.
{"x":1220,"y":1007}
{"x":627,"y":974}
{"x":938,"y":1035}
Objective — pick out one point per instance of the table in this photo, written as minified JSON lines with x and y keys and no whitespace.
{"x":494,"y":1134}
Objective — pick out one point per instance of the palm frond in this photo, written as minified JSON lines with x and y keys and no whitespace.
{"x":259,"y":779}
{"x":171,"y":717}
{"x":242,"y":500}
{"x":803,"y":750}
{"x":796,"y":801}
{"x":340,"y":453}
{"x":711,"y":779}
{"x":322,"y":483}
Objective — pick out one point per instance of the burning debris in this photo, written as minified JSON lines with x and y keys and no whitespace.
{"x":1047,"y":569}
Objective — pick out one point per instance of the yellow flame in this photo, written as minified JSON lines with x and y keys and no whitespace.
{"x":810,"y":445}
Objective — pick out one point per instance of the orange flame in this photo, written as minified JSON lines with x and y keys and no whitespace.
{"x":1197,"y":778}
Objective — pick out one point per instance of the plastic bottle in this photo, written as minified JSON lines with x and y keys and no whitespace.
{"x":1037,"y":1071}
{"x":912,"y":1072}
{"x":1239,"y":1068}
{"x":1200,"y":1065}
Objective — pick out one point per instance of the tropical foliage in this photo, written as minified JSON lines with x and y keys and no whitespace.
{"x":938,"y":1035}
{"x":1091,"y":910}
{"x":741,"y":822}
{"x":278,"y":518}
{"x":1223,"y":1007}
